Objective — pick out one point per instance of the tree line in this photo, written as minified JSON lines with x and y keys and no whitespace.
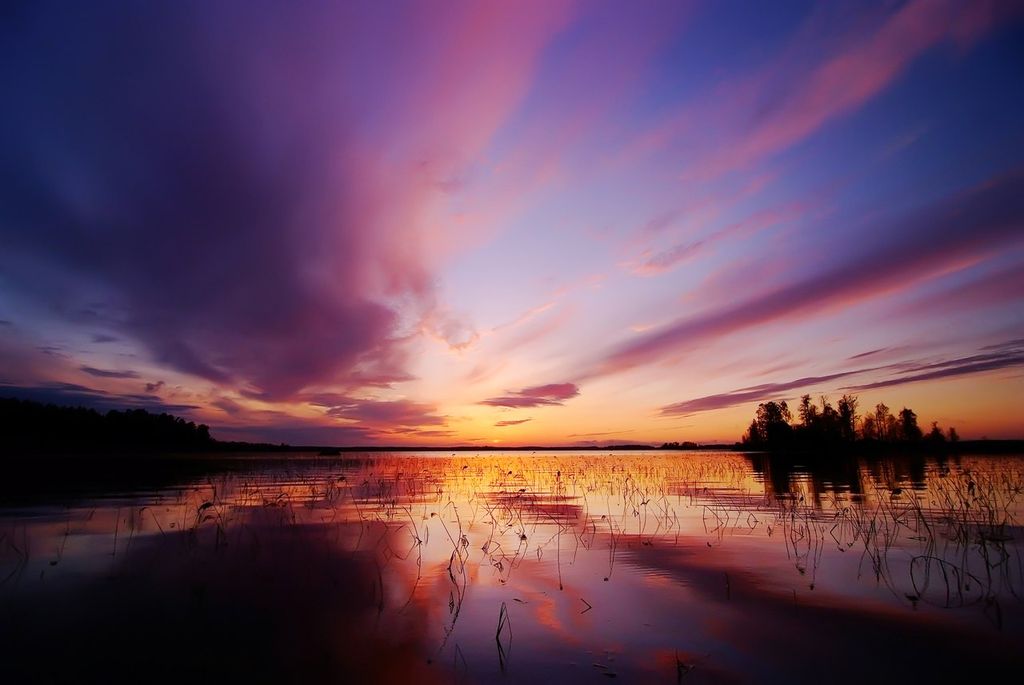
{"x":822,"y":425}
{"x":27,"y":426}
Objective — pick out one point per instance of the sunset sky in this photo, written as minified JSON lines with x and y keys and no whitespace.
{"x":513,"y":223}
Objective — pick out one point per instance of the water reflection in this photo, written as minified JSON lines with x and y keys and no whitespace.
{"x":712,"y":567}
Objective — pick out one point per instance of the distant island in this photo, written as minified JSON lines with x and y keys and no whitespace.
{"x":824,"y":427}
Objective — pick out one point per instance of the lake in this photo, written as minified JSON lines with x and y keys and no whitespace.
{"x":703,"y":567}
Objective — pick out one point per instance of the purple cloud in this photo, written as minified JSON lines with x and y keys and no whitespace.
{"x":975,"y":223}
{"x":381,"y":415}
{"x":553,"y":394}
{"x":104,"y":373}
{"x":230,"y":233}
{"x":1005,"y":355}
{"x":755,"y":393}
{"x":964,"y":366}
{"x":1004,"y":285}
{"x":869,"y":353}
{"x":248,"y":203}
{"x":72,"y":394}
{"x":227,"y":405}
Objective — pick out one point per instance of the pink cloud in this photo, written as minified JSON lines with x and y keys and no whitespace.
{"x":532,"y":331}
{"x":576,"y":100}
{"x":553,"y":394}
{"x":449,"y":329}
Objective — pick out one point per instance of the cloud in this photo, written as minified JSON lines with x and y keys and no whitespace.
{"x":345,"y":421}
{"x":450,"y":329}
{"x":510,"y":422}
{"x":869,"y":353}
{"x":661,"y":222}
{"x":1003,"y":346}
{"x":668,"y":259}
{"x":382,"y":417}
{"x":534,"y":330}
{"x":404,"y":431}
{"x":227,"y":405}
{"x":525,"y":316}
{"x":104,"y":373}
{"x":553,"y":394}
{"x":964,"y":366}
{"x":1002,"y":356}
{"x":810,"y":95}
{"x":755,"y":393}
{"x":918,"y":246}
{"x":251,"y":206}
{"x":74,"y":395}
{"x":993,"y":287}
{"x":290,"y":431}
{"x":760,"y":220}
{"x":104,"y":338}
{"x":593,"y":435}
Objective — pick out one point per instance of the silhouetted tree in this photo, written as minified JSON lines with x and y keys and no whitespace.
{"x":753,"y":435}
{"x":908,"y":427}
{"x":953,"y":437}
{"x":771,"y":426}
{"x":868,"y":430}
{"x":885,"y":422}
{"x":848,"y":417}
{"x":808,"y":412}
{"x":829,"y":419}
{"x":824,"y":425}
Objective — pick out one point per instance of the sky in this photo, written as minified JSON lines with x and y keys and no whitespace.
{"x":496,"y":223}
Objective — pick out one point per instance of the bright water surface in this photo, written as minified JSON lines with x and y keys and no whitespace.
{"x":518,"y":567}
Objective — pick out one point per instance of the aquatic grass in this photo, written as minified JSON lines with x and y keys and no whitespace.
{"x":504,"y":626}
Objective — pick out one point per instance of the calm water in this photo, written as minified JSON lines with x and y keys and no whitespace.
{"x":545,"y":567}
